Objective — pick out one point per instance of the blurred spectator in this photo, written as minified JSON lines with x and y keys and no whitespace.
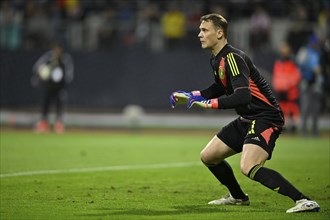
{"x":93,"y":25}
{"x":308,"y":58}
{"x":220,"y":9}
{"x":260,"y":29}
{"x":89,"y":24}
{"x":324,"y":20}
{"x":53,"y":72}
{"x":10,"y":26}
{"x":74,"y":23}
{"x":56,"y":20}
{"x":301,"y":29}
{"x":125,"y":15}
{"x":147,"y":31}
{"x":173,"y":24}
{"x":323,"y":30}
{"x":286,"y":79}
{"x":106,"y":33}
{"x":38,"y":32}
{"x":196,"y":11}
{"x":325,"y":68}
{"x":71,"y":7}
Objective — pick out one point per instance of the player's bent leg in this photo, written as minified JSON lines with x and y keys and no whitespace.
{"x":215,"y":152}
{"x":213,"y":156}
{"x":253,"y":159}
{"x":252,"y":155}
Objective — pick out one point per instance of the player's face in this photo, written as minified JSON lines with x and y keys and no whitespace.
{"x":208,"y":35}
{"x":57,"y":51}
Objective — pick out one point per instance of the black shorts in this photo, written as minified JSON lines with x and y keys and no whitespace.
{"x":259,"y":132}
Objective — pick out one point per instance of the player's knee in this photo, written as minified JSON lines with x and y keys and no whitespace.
{"x":207,"y":160}
{"x":250,"y":170}
{"x":245,"y":168}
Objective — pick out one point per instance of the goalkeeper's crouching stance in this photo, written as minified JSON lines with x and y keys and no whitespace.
{"x":239,"y":85}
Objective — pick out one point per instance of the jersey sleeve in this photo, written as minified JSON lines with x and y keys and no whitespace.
{"x":238,"y":73}
{"x":214,"y":91}
{"x":43,"y":59}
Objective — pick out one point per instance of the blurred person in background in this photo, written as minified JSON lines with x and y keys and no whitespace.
{"x":260,"y":29}
{"x":10,"y":26}
{"x":174,"y":26}
{"x":53,"y":72}
{"x":125,"y":15}
{"x":311,"y":86}
{"x":325,"y":68}
{"x":301,"y":27}
{"x":239,"y":85}
{"x":286,"y":79}
{"x":37,"y":27}
{"x":147,"y":30}
{"x":323,"y":31}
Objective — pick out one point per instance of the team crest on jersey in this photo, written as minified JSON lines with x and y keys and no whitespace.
{"x":222,"y":72}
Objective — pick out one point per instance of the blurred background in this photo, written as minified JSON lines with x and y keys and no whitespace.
{"x":129,"y":55}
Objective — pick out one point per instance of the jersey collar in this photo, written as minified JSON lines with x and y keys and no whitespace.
{"x":224,"y":51}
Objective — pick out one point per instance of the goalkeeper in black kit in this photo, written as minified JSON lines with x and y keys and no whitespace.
{"x":53,"y":72}
{"x":239,"y":85}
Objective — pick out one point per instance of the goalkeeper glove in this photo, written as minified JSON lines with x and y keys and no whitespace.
{"x":181,"y":97}
{"x":202,"y":102}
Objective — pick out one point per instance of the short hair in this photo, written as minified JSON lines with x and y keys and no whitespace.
{"x":218,"y":21}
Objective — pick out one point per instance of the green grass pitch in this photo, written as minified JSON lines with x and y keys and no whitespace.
{"x":145,"y":175}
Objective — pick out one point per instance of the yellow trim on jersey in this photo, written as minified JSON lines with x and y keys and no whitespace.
{"x":232,"y":64}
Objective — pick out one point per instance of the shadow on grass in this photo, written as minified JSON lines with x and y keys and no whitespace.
{"x":175,"y":210}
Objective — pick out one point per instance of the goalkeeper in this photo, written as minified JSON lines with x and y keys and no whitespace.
{"x":239,"y":85}
{"x":53,"y":72}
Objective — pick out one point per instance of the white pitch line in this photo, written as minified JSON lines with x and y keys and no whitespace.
{"x":96,"y":169}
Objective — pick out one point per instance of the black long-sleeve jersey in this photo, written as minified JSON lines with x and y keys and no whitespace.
{"x":64,"y":65}
{"x":239,"y":85}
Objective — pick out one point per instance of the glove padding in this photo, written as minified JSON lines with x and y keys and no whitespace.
{"x":202,"y":102}
{"x":181,"y":97}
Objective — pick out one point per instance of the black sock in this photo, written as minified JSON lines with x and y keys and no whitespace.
{"x":275,"y":181}
{"x":225,"y":175}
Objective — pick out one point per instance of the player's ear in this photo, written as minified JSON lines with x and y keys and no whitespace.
{"x":219,"y":33}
